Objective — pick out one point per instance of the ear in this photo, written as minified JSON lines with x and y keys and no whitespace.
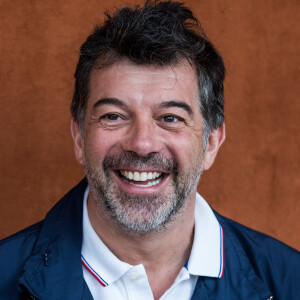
{"x":78,"y":141}
{"x":215,"y":140}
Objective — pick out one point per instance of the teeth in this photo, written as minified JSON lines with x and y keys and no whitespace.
{"x":151,"y":183}
{"x":143,"y":176}
{"x":136,"y":176}
{"x":140,"y":176}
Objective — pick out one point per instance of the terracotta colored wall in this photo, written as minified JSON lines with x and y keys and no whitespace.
{"x":255,"y":179}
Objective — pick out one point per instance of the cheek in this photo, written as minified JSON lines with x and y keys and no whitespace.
{"x":99,"y":144}
{"x":187,"y":150}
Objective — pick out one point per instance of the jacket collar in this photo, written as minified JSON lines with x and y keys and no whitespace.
{"x":54,"y":269}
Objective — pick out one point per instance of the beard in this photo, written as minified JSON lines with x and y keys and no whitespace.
{"x":145,"y":212}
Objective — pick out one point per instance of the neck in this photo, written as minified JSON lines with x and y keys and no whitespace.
{"x":163,"y":253}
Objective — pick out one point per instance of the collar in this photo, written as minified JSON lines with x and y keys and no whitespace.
{"x":207,"y":254}
{"x":206,"y":257}
{"x":95,"y":255}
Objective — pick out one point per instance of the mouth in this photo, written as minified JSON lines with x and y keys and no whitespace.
{"x":141,"y":179}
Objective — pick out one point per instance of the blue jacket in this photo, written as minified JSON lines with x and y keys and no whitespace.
{"x":43,"y":261}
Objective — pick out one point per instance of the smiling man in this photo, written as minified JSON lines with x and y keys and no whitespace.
{"x":147,"y":120}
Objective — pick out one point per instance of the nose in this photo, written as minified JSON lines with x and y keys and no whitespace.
{"x":143,"y":137}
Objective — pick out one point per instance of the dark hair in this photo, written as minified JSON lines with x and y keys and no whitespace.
{"x":160,"y":33}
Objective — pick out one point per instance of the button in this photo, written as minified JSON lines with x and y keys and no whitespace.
{"x":133,"y":276}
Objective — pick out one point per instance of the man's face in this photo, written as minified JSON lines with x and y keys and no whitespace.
{"x":142,"y":146}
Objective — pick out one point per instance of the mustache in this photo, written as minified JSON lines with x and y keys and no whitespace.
{"x":133,"y":160}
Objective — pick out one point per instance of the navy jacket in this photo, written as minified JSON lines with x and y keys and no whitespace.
{"x":43,"y":261}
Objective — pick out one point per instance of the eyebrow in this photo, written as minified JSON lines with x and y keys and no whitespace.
{"x":165,"y":104}
{"x":113,"y":101}
{"x":179,"y":104}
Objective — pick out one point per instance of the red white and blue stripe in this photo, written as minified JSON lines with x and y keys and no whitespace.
{"x":221,"y":272}
{"x":93,"y":272}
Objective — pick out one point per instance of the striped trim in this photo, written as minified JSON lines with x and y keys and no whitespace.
{"x":221,"y":272}
{"x":93,"y":272}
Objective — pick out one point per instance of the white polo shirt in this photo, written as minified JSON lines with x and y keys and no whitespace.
{"x":110,"y":278}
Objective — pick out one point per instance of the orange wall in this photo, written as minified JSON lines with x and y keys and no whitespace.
{"x":255,"y":179}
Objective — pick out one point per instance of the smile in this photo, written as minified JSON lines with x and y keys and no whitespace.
{"x":141,"y":179}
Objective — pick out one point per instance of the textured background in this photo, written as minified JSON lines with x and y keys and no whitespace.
{"x":255,"y":179}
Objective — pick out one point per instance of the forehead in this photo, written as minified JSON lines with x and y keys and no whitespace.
{"x":128,"y":81}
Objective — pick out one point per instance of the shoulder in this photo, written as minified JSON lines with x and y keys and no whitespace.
{"x":21,"y":242}
{"x":22,"y":235}
{"x":62,"y":223}
{"x":14,"y":251}
{"x":277,"y":264}
{"x":253,"y":240}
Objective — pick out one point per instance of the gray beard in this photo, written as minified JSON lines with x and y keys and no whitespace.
{"x":140,"y":213}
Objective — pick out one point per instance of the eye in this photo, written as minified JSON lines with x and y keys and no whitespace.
{"x":112,"y":120}
{"x":171,"y":119}
{"x":110,"y":117}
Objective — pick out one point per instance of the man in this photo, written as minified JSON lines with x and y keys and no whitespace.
{"x":147,"y":120}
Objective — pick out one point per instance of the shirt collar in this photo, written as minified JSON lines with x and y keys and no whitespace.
{"x":96,"y":257}
{"x":206,"y":259}
{"x":207,"y":255}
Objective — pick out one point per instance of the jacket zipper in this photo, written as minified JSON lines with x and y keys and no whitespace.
{"x":270,"y":298}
